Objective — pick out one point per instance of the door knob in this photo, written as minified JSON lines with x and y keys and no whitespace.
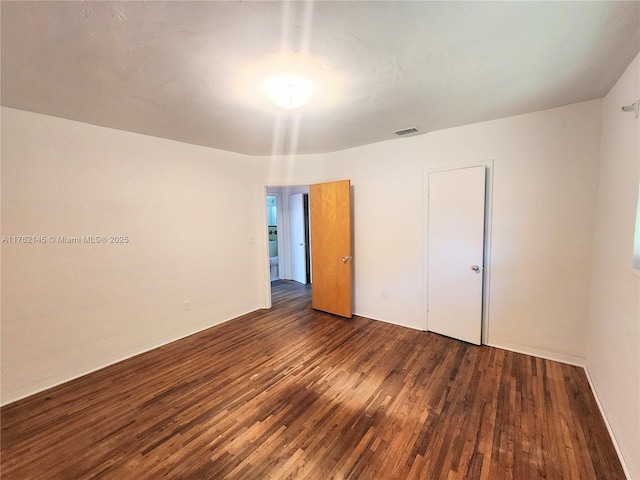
{"x":346,"y":259}
{"x":475,"y":268}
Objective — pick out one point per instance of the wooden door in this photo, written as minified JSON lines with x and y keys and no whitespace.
{"x":330,"y":211}
{"x":455,"y":253}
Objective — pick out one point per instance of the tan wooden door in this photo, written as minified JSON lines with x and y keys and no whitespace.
{"x":330,"y":210}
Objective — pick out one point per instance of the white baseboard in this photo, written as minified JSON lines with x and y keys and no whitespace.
{"x":539,"y":352}
{"x":69,"y":376}
{"x":609,"y":429}
{"x":386,"y":320}
{"x":549,"y":355}
{"x":527,"y":350}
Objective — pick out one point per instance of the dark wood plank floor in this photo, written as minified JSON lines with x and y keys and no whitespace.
{"x":295,"y":393}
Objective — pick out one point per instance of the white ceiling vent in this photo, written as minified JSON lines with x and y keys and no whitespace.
{"x":407,"y":132}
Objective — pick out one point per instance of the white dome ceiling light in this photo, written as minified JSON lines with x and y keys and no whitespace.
{"x":288,"y":91}
{"x":286,"y":82}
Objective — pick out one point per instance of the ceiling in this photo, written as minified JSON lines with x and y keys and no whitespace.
{"x":192,"y":71}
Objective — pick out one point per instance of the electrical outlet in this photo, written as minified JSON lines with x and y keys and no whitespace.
{"x":186,"y":306}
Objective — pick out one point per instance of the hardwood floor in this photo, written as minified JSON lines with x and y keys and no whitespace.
{"x":295,"y":393}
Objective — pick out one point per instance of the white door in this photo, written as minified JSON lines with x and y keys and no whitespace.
{"x":455,"y":253}
{"x":298,"y":243}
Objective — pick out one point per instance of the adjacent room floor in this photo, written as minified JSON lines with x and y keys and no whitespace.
{"x":296,"y":393}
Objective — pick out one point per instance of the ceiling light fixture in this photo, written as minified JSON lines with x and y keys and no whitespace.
{"x":282,"y":83}
{"x":288,"y":91}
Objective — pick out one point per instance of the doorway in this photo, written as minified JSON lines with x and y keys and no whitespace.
{"x":328,"y":262}
{"x":292,"y":222}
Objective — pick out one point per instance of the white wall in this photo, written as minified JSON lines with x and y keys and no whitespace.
{"x":196,"y":222}
{"x":613,"y":343}
{"x":544,"y":194}
{"x":190,"y":215}
{"x":82,"y":306}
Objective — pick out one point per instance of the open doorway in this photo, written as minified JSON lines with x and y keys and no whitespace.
{"x":288,"y":233}
{"x":328,"y":263}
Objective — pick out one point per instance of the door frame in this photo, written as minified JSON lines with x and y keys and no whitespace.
{"x":488,"y":208}
{"x":264,"y":237}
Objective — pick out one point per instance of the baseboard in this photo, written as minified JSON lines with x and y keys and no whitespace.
{"x":571,"y":360}
{"x":512,"y":347}
{"x":385,"y":320}
{"x":555,"y":356}
{"x":606,"y":422}
{"x":56,"y":381}
{"x":539,"y":352}
{"x":549,"y":355}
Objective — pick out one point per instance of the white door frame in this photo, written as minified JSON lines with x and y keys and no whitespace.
{"x":487,"y":240}
{"x":264,"y":237}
